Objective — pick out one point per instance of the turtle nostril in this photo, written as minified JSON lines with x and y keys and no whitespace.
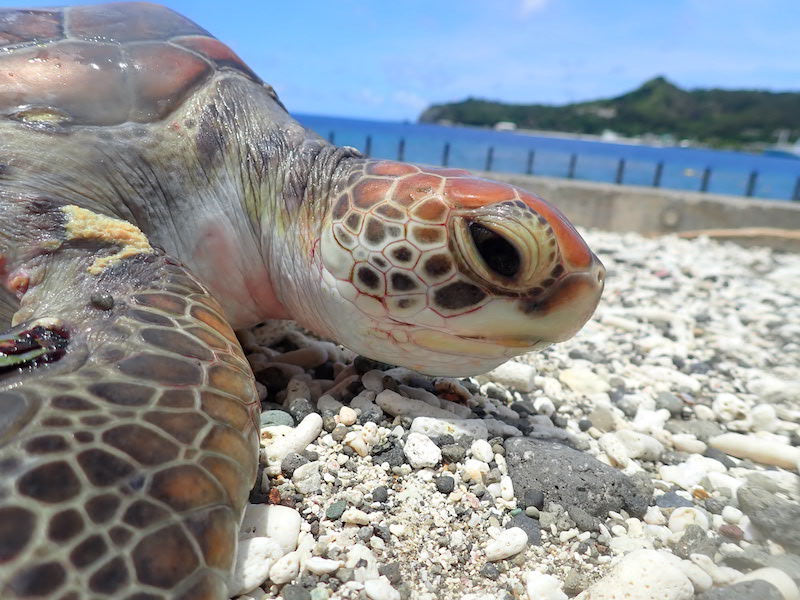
{"x":496,"y":251}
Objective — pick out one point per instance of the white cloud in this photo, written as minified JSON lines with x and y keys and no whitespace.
{"x":528,"y":7}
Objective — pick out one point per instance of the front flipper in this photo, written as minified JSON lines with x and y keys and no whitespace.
{"x":128,"y":437}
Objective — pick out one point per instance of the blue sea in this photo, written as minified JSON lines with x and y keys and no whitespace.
{"x":718,"y":171}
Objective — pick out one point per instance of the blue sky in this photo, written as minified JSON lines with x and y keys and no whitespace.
{"x":389,"y":59}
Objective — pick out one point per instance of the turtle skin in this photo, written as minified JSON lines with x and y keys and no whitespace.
{"x":128,"y":413}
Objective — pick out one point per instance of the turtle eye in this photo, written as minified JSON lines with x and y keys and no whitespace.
{"x":500,"y":256}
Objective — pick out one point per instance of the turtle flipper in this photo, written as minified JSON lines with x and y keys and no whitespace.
{"x":128,"y":438}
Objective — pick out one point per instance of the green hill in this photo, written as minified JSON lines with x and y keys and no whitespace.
{"x":721,"y":118}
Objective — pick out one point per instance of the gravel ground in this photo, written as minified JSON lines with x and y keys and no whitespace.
{"x":654,"y":455}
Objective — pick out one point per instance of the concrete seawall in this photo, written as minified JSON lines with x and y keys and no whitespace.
{"x":655,"y":210}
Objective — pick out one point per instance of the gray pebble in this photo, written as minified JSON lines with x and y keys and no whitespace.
{"x":490,"y":571}
{"x":775,"y":517}
{"x":669,"y":401}
{"x":702,"y":430}
{"x":744,"y":590}
{"x":392,"y":455}
{"x":584,"y":424}
{"x":380,"y":494}
{"x":576,"y":581}
{"x":336,"y":510}
{"x":295,"y":592}
{"x":478,"y":489}
{"x":364,"y":533}
{"x":276,"y":417}
{"x":300,"y":408}
{"x":533,"y":497}
{"x":672,"y":500}
{"x":329,"y":423}
{"x":583,"y":520}
{"x":572,"y":478}
{"x":445,"y":484}
{"x":694,"y":541}
{"x":291,"y":462}
{"x":530,"y":526}
{"x":392,"y":572}
{"x":720,"y":456}
{"x":339,"y":432}
{"x":532,"y":512}
{"x":345,"y":574}
{"x":453,"y":453}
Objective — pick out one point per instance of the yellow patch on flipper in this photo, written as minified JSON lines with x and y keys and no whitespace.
{"x":84,"y":224}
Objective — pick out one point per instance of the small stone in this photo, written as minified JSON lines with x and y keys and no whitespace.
{"x":453,"y":453}
{"x":354,"y":516}
{"x":682,"y":518}
{"x":320,"y":566}
{"x":533,"y":497}
{"x":254,"y":558}
{"x":758,"y":449}
{"x":509,"y":543}
{"x":530,"y":526}
{"x":583,"y":381}
{"x":482,"y":450}
{"x":694,"y":541}
{"x":643,"y":575}
{"x":490,"y":571}
{"x":775,"y":517}
{"x":539,"y":586}
{"x":300,"y":408}
{"x":670,"y":402}
{"x":347,"y":416}
{"x":292,"y":461}
{"x":745,"y":590}
{"x":380,"y":589}
{"x":777,"y":578}
{"x":445,"y":484}
{"x":345,"y":574}
{"x":339,"y":432}
{"x":513,"y":375}
{"x":276,"y":417}
{"x":393,"y":455}
{"x":392,"y":572}
{"x":673,"y":500}
{"x":307,"y":478}
{"x":336,"y":510}
{"x":295,"y":592}
{"x":421,"y":452}
{"x":380,"y":494}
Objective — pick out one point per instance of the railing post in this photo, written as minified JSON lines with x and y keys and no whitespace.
{"x":489,"y":158}
{"x":659,"y":172}
{"x":620,"y":171}
{"x":573,"y":162}
{"x":706,"y":179}
{"x":331,"y":137}
{"x":796,"y":194}
{"x":751,"y":184}
{"x":368,"y":146}
{"x":401,"y":149}
{"x":446,"y":154}
{"x":529,"y":165}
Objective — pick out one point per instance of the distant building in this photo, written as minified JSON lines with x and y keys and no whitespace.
{"x":505,"y":126}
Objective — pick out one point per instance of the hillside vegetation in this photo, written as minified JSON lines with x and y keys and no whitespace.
{"x":721,"y":118}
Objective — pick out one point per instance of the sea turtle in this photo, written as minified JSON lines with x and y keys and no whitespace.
{"x":154,"y":195}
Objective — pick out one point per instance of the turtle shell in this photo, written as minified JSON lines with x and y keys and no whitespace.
{"x":104,"y":64}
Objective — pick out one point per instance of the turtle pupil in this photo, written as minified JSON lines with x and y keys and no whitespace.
{"x":496,"y":251}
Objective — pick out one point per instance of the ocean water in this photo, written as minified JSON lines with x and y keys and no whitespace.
{"x":725,"y":172}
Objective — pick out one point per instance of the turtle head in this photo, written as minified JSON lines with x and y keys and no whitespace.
{"x":447,"y":273}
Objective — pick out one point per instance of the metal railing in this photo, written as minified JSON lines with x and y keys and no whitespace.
{"x":749,"y":188}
